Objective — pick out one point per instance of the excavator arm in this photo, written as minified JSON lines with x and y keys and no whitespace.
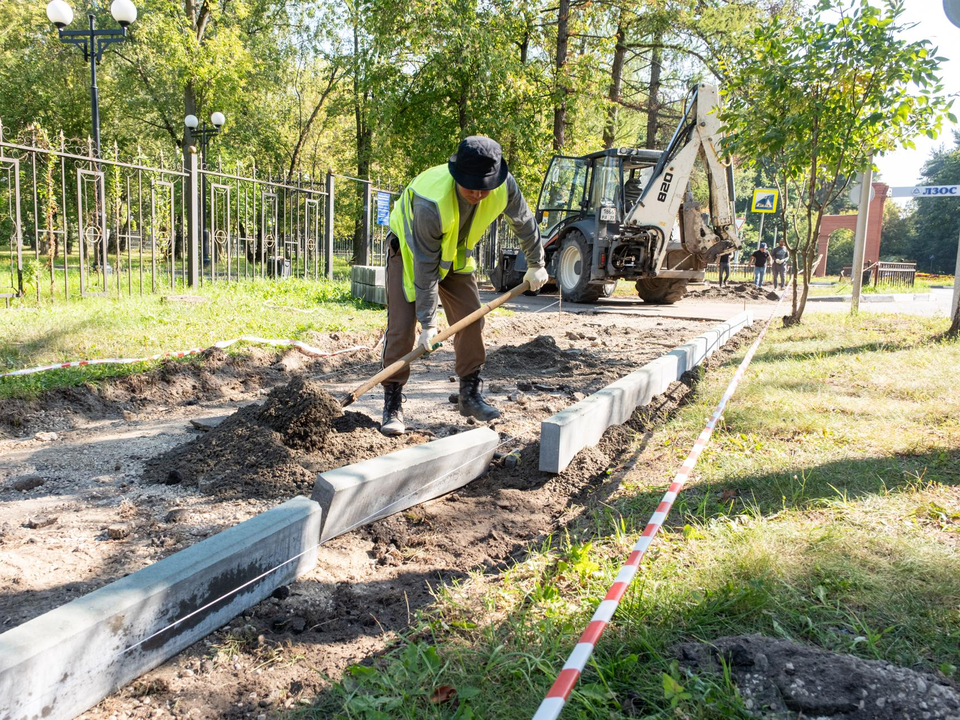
{"x":668,"y":193}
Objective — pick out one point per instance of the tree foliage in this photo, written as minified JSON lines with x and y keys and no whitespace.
{"x":377,"y":88}
{"x":814,"y":99}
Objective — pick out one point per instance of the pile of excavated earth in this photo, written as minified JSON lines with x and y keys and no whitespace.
{"x":735,"y":291}
{"x":275,"y":450}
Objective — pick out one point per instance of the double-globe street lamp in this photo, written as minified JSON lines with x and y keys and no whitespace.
{"x":204,"y":133}
{"x":93,"y":42}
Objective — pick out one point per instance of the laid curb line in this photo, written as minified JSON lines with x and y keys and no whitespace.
{"x":67,"y":660}
{"x":893,"y":297}
{"x":582,"y":424}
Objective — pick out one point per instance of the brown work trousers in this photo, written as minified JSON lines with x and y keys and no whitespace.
{"x":460,"y":297}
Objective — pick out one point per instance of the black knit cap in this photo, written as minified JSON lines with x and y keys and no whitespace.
{"x":479,"y":164}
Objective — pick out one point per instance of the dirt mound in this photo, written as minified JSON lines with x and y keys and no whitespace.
{"x":740,"y":291}
{"x":277,"y":449}
{"x":780,"y":679}
{"x":533,"y":357}
{"x":302,"y":412}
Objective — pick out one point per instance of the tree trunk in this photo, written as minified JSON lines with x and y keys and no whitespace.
{"x":653,"y":101}
{"x":560,"y":109}
{"x":189,"y":108}
{"x":463,"y":110}
{"x":305,"y":130}
{"x":954,"y":330}
{"x":616,"y":80}
{"x":364,"y":146}
{"x":189,"y":91}
{"x":363,"y":141}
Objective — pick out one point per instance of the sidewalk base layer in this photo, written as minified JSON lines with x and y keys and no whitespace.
{"x":61,"y":663}
{"x":358,"y":494}
{"x":581,"y":425}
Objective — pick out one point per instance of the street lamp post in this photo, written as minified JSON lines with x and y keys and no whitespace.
{"x":204,"y":133}
{"x":92,"y":42}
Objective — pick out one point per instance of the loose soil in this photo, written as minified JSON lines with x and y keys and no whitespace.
{"x":212,"y":376}
{"x":735,"y":292}
{"x":783,"y":680}
{"x":107,"y":484}
{"x":275,"y":451}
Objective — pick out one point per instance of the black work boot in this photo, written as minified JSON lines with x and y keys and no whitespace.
{"x":472,"y":403}
{"x":392,"y":421}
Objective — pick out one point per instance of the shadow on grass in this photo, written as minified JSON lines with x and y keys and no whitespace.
{"x":799,"y":487}
{"x":770,"y":356}
{"x":893,"y":605}
{"x":16,"y":352}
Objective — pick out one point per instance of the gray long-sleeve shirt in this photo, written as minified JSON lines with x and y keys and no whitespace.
{"x":427,"y":235}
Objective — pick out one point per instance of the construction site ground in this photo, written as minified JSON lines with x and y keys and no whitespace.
{"x":93,"y":488}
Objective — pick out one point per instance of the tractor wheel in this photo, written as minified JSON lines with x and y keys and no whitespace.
{"x":661,"y":291}
{"x":573,"y":270}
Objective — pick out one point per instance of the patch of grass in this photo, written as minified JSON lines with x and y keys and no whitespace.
{"x":139,"y":326}
{"x":826,"y":510}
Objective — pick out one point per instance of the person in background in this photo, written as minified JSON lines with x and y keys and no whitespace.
{"x":780,"y":255}
{"x":760,"y":259}
{"x":723,"y":266}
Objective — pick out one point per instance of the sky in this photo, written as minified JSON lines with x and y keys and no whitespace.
{"x":902,"y":167}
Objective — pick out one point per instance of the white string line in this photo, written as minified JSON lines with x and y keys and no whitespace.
{"x":546,"y":307}
{"x":304,"y":552}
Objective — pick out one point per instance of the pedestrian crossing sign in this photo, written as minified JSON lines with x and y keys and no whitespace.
{"x":764,"y":200}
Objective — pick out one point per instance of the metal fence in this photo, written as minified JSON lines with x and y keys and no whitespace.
{"x":887,"y":273}
{"x":362,"y":219}
{"x":261,"y":226}
{"x":74,"y":225}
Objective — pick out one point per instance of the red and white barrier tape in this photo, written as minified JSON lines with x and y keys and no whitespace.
{"x":558,"y":694}
{"x":301,"y":346}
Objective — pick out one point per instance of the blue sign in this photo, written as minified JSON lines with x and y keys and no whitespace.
{"x":383,"y":208}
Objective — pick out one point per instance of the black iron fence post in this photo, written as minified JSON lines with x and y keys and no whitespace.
{"x":193,"y":218}
{"x":364,"y":259}
{"x":328,"y":230}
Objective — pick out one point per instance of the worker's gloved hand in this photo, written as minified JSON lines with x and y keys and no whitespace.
{"x":537,"y":277}
{"x":426,"y":339}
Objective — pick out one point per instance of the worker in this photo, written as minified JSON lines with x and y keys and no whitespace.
{"x":780,"y":255}
{"x":723,"y":268}
{"x":760,"y":259}
{"x":435,"y":226}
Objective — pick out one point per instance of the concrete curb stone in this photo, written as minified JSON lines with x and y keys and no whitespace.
{"x":582,"y":424}
{"x":367,"y":491}
{"x":67,"y":660}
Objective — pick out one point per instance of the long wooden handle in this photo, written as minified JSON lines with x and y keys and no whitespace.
{"x":395,"y":367}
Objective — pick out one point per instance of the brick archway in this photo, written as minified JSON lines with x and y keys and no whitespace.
{"x":832,"y":223}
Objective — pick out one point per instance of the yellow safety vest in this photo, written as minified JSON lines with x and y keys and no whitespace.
{"x":438,"y":186}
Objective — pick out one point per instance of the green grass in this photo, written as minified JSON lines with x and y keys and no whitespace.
{"x":137,"y":326}
{"x":825,"y":510}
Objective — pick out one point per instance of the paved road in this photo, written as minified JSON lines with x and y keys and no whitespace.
{"x":691,"y":309}
{"x":936,"y":305}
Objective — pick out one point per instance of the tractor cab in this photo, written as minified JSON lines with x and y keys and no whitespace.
{"x":574,"y":188}
{"x":583,"y":200}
